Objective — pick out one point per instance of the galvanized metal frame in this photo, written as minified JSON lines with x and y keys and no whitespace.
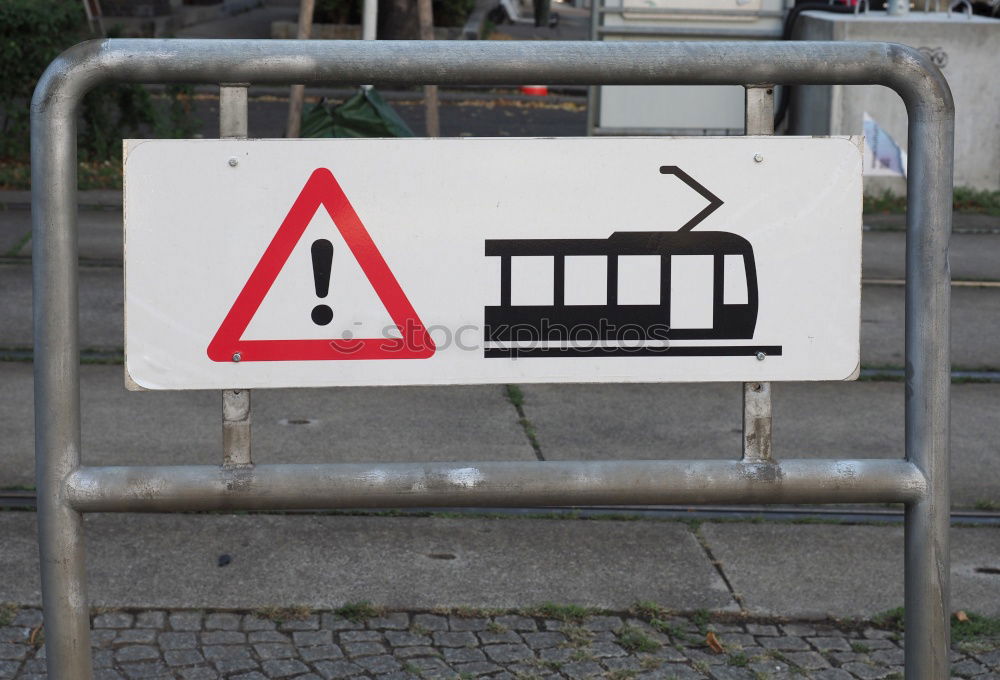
{"x":67,"y":489}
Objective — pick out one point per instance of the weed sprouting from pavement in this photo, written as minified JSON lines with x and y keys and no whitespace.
{"x":283,"y":614}
{"x":560,"y":612}
{"x":700,"y":618}
{"x":649,"y":610}
{"x":8,"y":610}
{"x":975,"y":627}
{"x":576,"y":636}
{"x":358,"y":611}
{"x":649,"y":663}
{"x":633,"y":639}
{"x":891,"y":619}
{"x":580,"y":655}
{"x":738,"y":659}
{"x":495,"y":627}
{"x":669,"y":628}
{"x":515,"y":395}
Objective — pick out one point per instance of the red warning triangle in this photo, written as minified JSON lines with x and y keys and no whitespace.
{"x":321,"y":189}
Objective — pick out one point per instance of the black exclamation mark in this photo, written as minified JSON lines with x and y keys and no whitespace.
{"x":322,"y":257}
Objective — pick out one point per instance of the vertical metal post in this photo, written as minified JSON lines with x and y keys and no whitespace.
{"x":898,"y":7}
{"x":757,"y":395}
{"x":593,"y":91}
{"x":233,"y":111}
{"x":57,"y":386}
{"x":236,"y":419}
{"x":757,"y":421}
{"x":369,"y":20}
{"x":236,"y":426}
{"x":759,"y":105}
{"x":928,"y":385}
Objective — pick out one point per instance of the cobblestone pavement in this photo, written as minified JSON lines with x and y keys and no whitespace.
{"x":292,"y":643}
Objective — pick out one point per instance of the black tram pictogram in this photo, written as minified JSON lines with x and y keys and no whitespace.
{"x":561,"y":329}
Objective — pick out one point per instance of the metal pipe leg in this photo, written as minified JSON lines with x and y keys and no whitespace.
{"x":927,"y":614}
{"x":57,"y":384}
{"x":928,"y":385}
{"x":64,"y":589}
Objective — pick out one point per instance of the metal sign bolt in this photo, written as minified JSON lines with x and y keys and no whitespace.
{"x":760,"y":356}
{"x":237,"y":357}
{"x":233,"y":162}
{"x":757,"y":157}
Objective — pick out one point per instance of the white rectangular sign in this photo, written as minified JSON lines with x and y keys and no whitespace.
{"x":284,"y":263}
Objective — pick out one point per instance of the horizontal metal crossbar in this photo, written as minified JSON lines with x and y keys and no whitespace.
{"x":402,"y":62}
{"x":503,"y":484}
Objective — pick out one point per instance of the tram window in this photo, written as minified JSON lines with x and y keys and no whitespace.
{"x":639,"y":280}
{"x":586,"y":280}
{"x":692,"y":291}
{"x":735,"y":288}
{"x":531,"y":280}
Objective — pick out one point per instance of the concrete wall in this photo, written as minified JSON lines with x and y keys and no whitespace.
{"x":968,"y":53}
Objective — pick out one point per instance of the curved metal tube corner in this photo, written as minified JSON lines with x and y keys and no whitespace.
{"x":63,"y":485}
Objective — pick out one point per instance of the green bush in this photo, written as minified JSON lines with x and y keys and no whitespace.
{"x":452,"y":12}
{"x":32,"y":34}
{"x":337,"y":12}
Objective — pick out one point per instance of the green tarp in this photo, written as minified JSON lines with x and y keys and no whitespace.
{"x":365,"y":114}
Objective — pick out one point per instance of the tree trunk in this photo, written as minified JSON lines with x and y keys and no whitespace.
{"x":425,"y":13}
{"x":297,"y":96}
{"x":397,"y":20}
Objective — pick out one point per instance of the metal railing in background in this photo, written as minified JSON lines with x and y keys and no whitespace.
{"x":67,"y":489}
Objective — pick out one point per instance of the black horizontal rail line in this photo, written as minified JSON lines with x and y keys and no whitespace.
{"x":669,"y":351}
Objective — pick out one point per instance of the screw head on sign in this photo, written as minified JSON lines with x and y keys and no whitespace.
{"x":761,"y":356}
{"x":237,"y":357}
{"x":758,"y":158}
{"x":233,"y":162}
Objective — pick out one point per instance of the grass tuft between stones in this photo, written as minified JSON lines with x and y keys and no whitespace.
{"x":633,"y":639}
{"x":977,"y":627}
{"x":359,"y":611}
{"x":8,"y":610}
{"x":567,"y":613}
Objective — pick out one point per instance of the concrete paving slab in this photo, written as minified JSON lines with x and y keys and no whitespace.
{"x":15,"y":229}
{"x":974,"y":315}
{"x":398,"y":562}
{"x":974,"y":257}
{"x":102,"y":307}
{"x":289,"y":426}
{"x":960,"y":221}
{"x":843,"y":571}
{"x":100,"y":232}
{"x":811,"y":420}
